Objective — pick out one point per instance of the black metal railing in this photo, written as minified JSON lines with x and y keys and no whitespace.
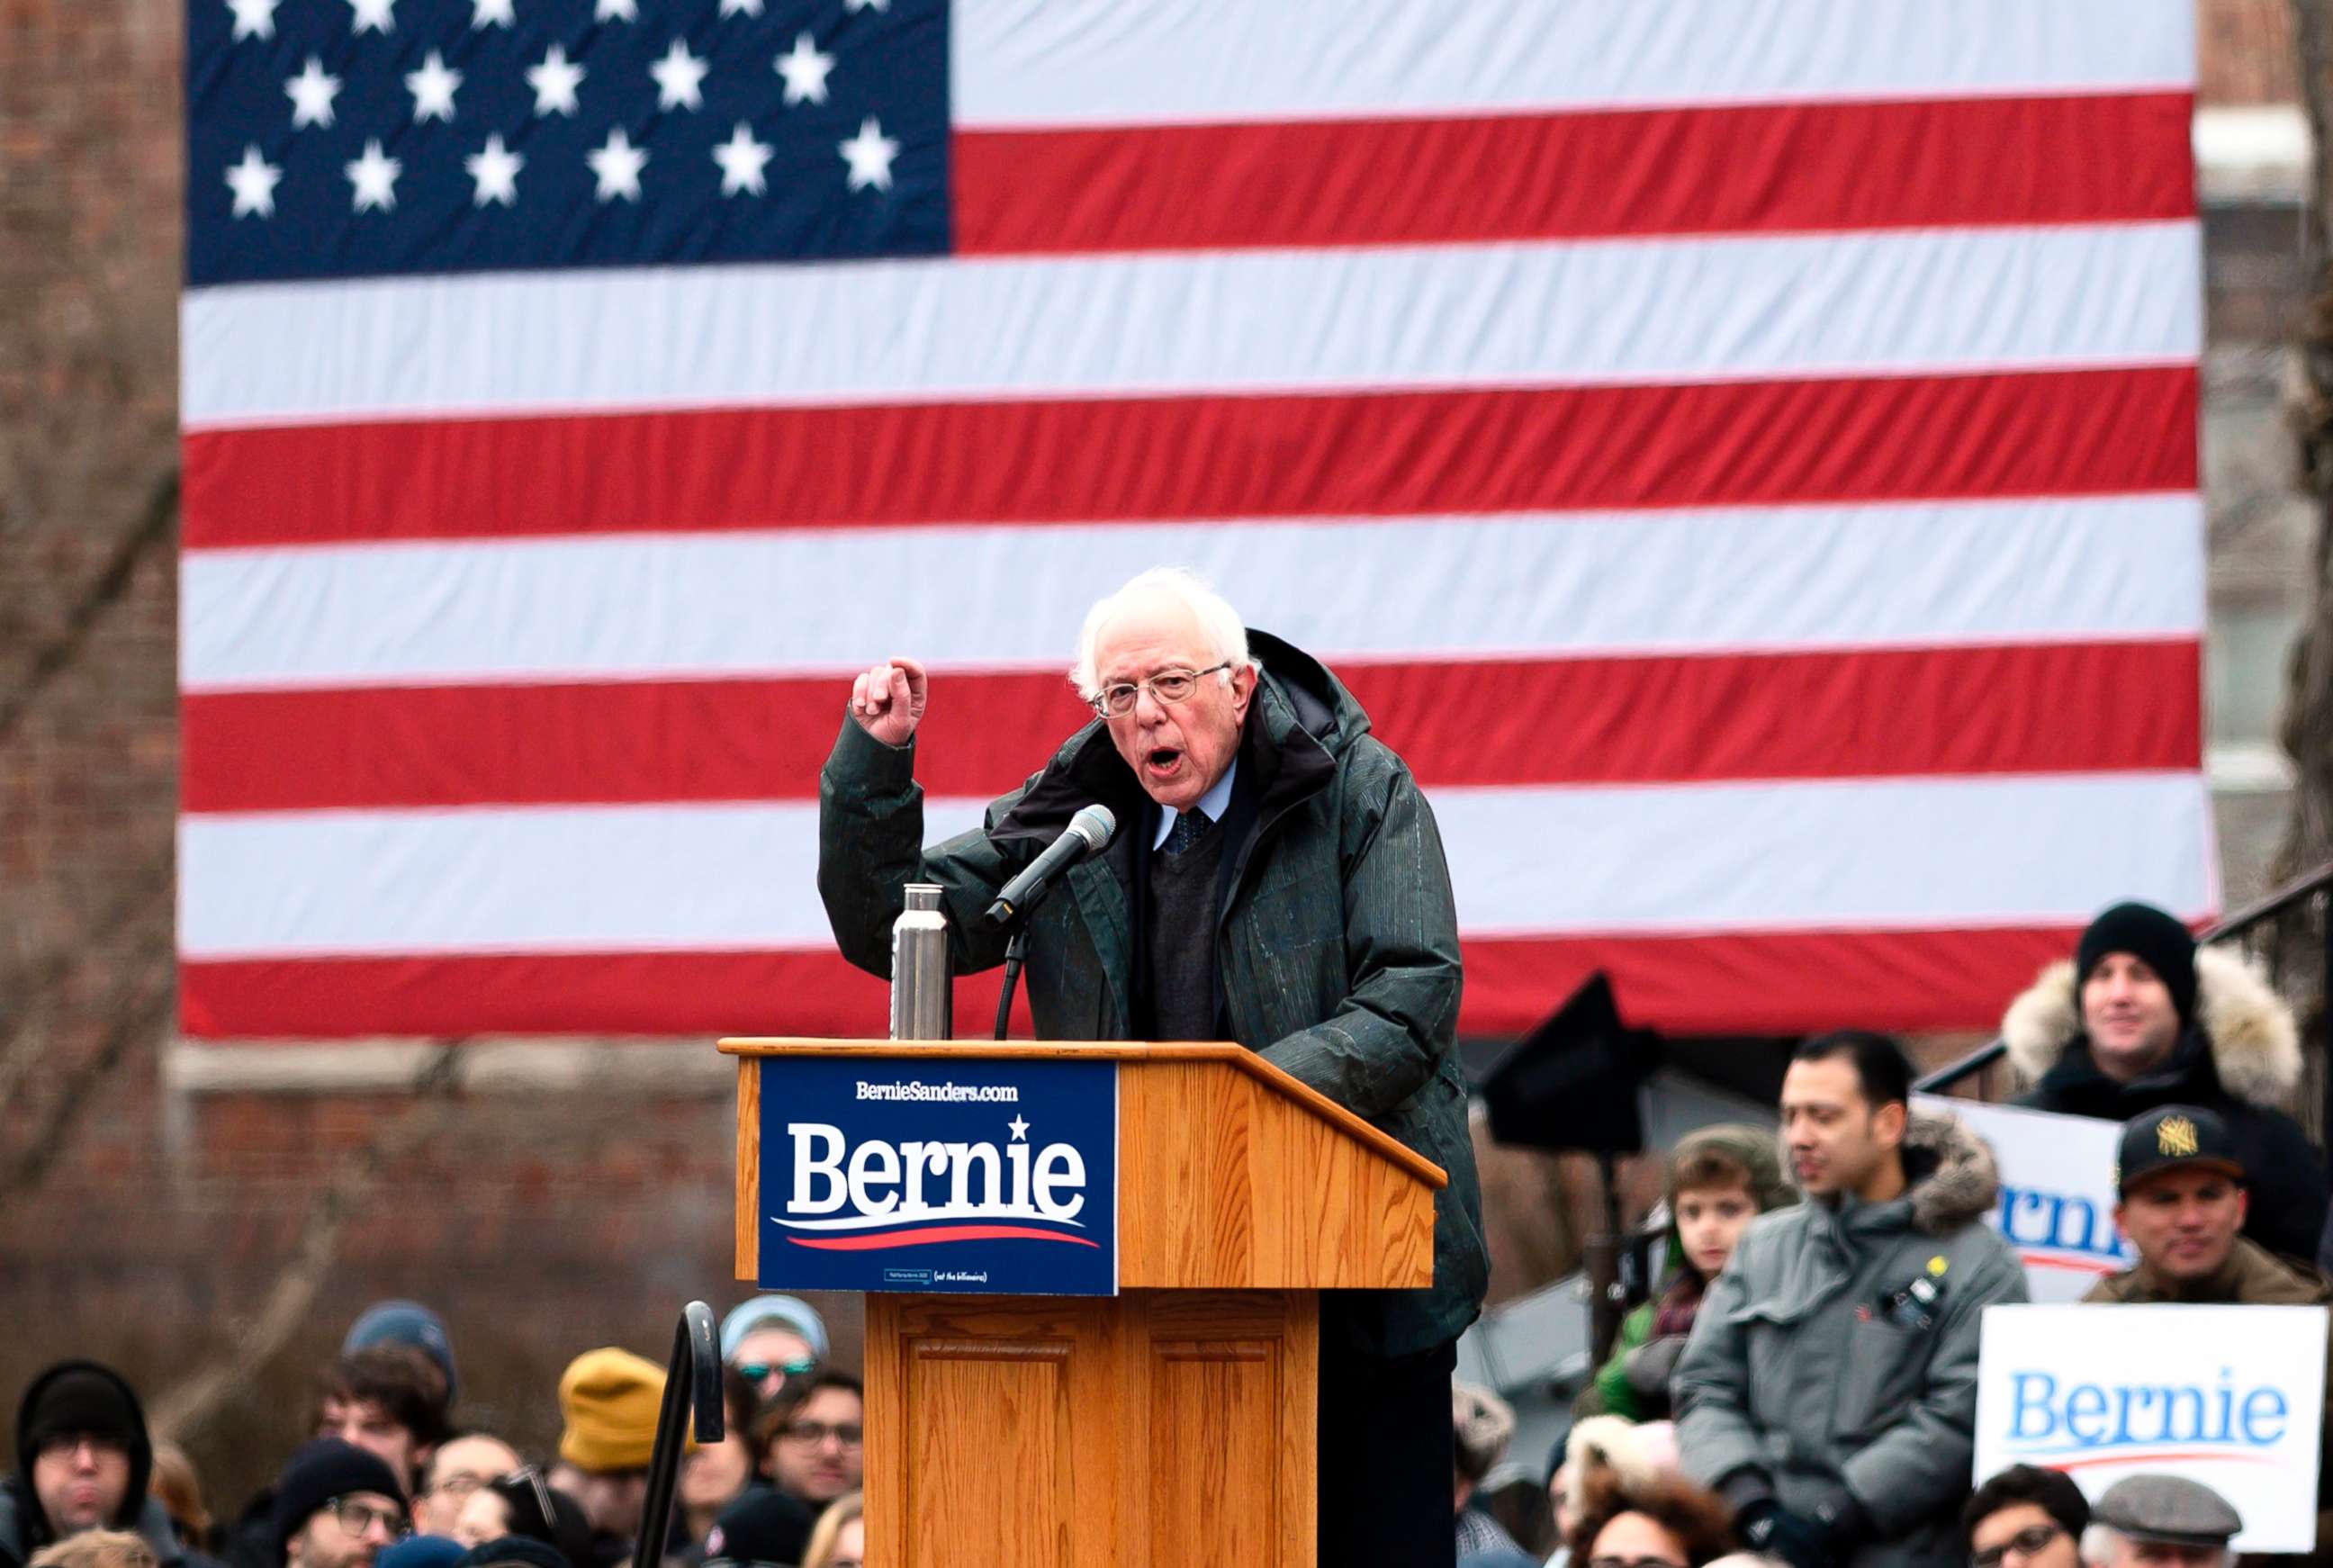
{"x":692,"y":1386}
{"x":2247,"y":925}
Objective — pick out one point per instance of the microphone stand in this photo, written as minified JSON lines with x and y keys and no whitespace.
{"x":1016,"y":952}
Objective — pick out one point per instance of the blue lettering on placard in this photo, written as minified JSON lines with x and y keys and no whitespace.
{"x":2049,"y":1419}
{"x":939,"y":1174}
{"x":2060,"y":1222}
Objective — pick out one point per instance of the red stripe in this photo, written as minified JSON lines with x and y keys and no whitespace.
{"x":1782,"y":983}
{"x":2086,"y":707}
{"x":897,"y":1238}
{"x":1757,"y":168}
{"x":1480,"y":450}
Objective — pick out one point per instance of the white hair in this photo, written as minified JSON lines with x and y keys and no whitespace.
{"x":2102,"y":1547}
{"x":1226,"y":633}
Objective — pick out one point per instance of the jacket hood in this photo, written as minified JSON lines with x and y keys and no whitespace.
{"x":2254,"y":1042}
{"x":1953,"y":1179}
{"x":1300,"y":721}
{"x":1751,"y":1148}
{"x":37,"y":1531}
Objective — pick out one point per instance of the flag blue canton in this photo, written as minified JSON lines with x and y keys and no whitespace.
{"x":458,"y":137}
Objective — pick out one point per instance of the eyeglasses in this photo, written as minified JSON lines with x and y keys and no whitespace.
{"x":357,"y":1517}
{"x":2025,"y":1544}
{"x":1632,"y":1562}
{"x":762,"y":1372}
{"x":810,"y":1434}
{"x":1166,"y":685}
{"x":460,"y":1484}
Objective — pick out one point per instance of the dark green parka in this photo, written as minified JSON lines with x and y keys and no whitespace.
{"x":1336,"y":941}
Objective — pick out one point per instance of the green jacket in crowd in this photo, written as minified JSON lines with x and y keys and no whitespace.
{"x":1336,"y":942}
{"x":1812,"y":1379}
{"x":1616,"y":1389}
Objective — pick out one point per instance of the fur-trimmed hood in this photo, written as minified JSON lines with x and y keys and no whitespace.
{"x":2254,"y":1041}
{"x":1953,"y":1179}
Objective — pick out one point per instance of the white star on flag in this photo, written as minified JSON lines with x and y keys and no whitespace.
{"x":491,"y":13}
{"x":678,"y":78}
{"x":312,"y":93}
{"x":742,"y":159}
{"x":432,"y":87}
{"x":495,"y":170}
{"x":374,"y":177}
{"x":617,"y":164}
{"x":1020,"y":1128}
{"x":372,"y":16}
{"x":253,"y":18}
{"x":805,"y":70}
{"x":554,"y":83}
{"x":870,"y":154}
{"x":616,"y":10}
{"x":254,"y":183}
{"x":855,"y":6}
{"x":741,"y":7}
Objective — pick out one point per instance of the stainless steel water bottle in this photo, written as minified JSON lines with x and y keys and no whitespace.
{"x":921,"y":1006}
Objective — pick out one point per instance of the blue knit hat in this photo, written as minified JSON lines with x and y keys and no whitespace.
{"x":785,"y":1311}
{"x":410,"y":1324}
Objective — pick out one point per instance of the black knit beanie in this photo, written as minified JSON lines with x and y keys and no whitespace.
{"x":83,"y":1398}
{"x":325,"y":1469}
{"x":2156,"y":939}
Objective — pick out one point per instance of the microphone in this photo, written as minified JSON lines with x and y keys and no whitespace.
{"x":1088,"y":833}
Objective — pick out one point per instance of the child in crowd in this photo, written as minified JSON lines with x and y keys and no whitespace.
{"x":1720,"y":1179}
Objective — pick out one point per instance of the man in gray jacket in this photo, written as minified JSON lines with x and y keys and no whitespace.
{"x":1829,"y":1392}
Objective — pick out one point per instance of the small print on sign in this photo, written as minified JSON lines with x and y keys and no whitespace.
{"x":932,"y":1174}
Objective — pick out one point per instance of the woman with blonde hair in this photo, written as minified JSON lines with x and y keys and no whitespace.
{"x":95,"y":1549}
{"x":839,"y":1541}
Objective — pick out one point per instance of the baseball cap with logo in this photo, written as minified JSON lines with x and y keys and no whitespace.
{"x":2175,"y":1138}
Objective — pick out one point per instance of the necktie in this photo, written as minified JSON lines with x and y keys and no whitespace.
{"x":1190,"y":827}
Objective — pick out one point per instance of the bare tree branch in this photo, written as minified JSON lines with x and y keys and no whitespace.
{"x":197,"y":1399}
{"x":157,"y":522}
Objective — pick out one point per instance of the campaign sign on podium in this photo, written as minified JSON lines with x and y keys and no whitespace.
{"x":993,"y":1177}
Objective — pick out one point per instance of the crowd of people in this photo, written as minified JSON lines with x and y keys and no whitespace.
{"x":389,"y":1478}
{"x":1801,"y":1390}
{"x":1803,"y":1385}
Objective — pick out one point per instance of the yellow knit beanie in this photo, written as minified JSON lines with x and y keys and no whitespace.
{"x":608,"y":1403}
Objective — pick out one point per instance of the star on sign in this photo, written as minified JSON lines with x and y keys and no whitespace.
{"x":870,"y":154}
{"x":495,"y":170}
{"x":678,"y":78}
{"x":805,"y":71}
{"x":741,"y":7}
{"x":1020,"y":1128}
{"x":372,"y":16}
{"x":617,"y":164}
{"x":855,"y":6}
{"x":253,"y":18}
{"x":742,"y":158}
{"x":554,"y":83}
{"x":374,"y":177}
{"x":491,"y":13}
{"x":254,"y":183}
{"x":432,"y":87}
{"x":312,"y":93}
{"x":616,"y":10}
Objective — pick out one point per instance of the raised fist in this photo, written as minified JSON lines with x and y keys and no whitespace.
{"x":889,"y":700}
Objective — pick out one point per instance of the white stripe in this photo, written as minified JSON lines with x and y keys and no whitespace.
{"x":1855,"y":854}
{"x":1146,"y":61}
{"x":642,"y":606}
{"x":1559,"y":312}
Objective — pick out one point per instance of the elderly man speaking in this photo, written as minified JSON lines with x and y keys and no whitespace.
{"x":1276,"y":879}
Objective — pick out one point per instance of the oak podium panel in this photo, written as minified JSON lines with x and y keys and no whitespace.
{"x":1171,"y":1423}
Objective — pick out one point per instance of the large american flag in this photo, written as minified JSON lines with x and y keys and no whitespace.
{"x":1742,"y":455}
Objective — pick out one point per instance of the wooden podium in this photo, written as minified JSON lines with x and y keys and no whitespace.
{"x":1171,"y":1424}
